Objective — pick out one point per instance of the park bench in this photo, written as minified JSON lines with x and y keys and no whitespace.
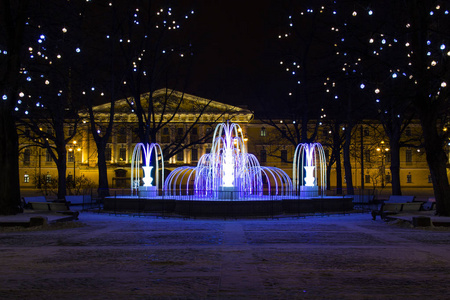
{"x":363,"y":201}
{"x":41,"y":203}
{"x":395,"y":205}
{"x":430,"y":204}
{"x":79,"y":200}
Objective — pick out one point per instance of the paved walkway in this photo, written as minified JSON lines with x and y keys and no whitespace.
{"x":123,"y":257}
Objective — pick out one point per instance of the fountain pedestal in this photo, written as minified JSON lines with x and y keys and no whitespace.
{"x":309,"y":191}
{"x":147,"y":191}
{"x":228,"y":192}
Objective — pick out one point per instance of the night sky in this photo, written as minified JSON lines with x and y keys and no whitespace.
{"x":233,"y":56}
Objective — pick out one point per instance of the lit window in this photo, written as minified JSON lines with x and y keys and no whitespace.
{"x":26,"y":178}
{"x":263,"y":131}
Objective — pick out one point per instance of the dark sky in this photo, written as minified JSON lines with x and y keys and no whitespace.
{"x":232,"y":50}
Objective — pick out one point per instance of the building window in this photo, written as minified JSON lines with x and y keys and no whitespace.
{"x":180,"y":156}
{"x":26,"y":156}
{"x":135,"y":135}
{"x":165,"y":136}
{"x":194,"y":134}
{"x":123,"y":154}
{"x":71,"y":156}
{"x":388,"y":157}
{"x":408,"y":155}
{"x":122,"y":136}
{"x":263,"y":131}
{"x":209,"y":134}
{"x":409,"y":178}
{"x":408,"y":131}
{"x":48,"y":178}
{"x":366,"y":131}
{"x":180,"y":133}
{"x":108,"y":153}
{"x":26,"y":178}
{"x":48,"y":157}
{"x":283,"y":155}
{"x":194,"y":154}
{"x":430,"y":180}
{"x":366,"y":178}
{"x":367,"y":155}
{"x":263,"y":156}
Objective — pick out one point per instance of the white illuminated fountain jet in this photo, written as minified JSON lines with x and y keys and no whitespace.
{"x":309,"y":170}
{"x":151,"y":156}
{"x":228,"y":172}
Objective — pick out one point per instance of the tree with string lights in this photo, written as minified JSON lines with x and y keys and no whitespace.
{"x":153,"y":41}
{"x":13,"y":16}
{"x":406,"y":69}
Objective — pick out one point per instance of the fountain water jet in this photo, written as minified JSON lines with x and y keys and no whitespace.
{"x":311,"y":158}
{"x":228,"y":172}
{"x":149,"y":154}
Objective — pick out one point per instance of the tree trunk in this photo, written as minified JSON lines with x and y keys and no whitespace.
{"x":9,"y":162}
{"x":103,"y":186}
{"x":336,"y":149}
{"x":437,"y":162}
{"x":347,"y":163}
{"x":61,"y":166}
{"x":395,"y":164}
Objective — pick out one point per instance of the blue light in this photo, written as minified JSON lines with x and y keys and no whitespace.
{"x":442,"y":47}
{"x":4,"y":97}
{"x":394,"y":75}
{"x":370,"y":12}
{"x":28,"y":78}
{"x":42,"y":36}
{"x":362,"y":86}
{"x":78,"y":50}
{"x":428,"y":43}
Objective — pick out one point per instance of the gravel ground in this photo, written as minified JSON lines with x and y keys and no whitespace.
{"x":120,"y":257}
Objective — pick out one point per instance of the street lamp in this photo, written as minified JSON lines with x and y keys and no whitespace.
{"x":72,"y":149}
{"x":382,"y":150}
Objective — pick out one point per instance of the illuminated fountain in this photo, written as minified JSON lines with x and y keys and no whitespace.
{"x":151,"y":156}
{"x":228,"y":172}
{"x":309,"y":170}
{"x":229,"y":181}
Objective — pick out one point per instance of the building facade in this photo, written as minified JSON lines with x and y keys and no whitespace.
{"x":189,"y":119}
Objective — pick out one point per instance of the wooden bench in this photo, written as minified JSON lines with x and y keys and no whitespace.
{"x":429,"y":205}
{"x":79,"y":200}
{"x":36,"y":203}
{"x":41,"y":203}
{"x":394,"y":207}
{"x":400,"y":199}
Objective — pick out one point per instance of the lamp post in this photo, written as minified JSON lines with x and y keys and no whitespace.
{"x":72,"y":149}
{"x":382,"y":150}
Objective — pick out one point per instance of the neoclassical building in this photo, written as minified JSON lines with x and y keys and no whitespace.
{"x":189,"y":118}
